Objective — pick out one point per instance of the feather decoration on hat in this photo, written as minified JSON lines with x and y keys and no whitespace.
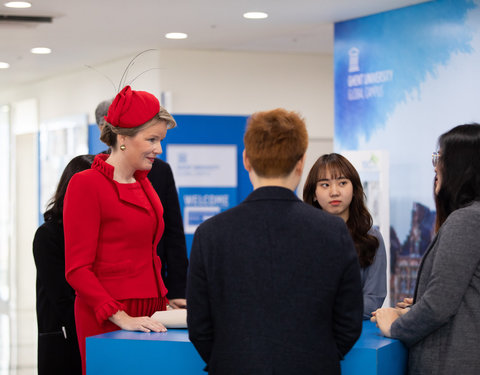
{"x":131,"y":108}
{"x":123,"y":80}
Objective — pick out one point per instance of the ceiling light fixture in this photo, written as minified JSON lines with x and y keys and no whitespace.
{"x":255,"y":15}
{"x":176,"y":36}
{"x":18,"y":4}
{"x":4,"y":65}
{"x":41,"y":50}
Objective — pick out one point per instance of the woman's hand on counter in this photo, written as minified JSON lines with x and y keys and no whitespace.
{"x":141,"y":323}
{"x":407,"y":302}
{"x":178,"y":303}
{"x":384,"y":318}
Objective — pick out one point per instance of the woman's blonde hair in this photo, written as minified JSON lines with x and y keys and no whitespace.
{"x":109,"y":132}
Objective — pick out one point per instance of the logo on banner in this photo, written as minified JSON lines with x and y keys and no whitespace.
{"x":182,"y":157}
{"x":353,"y":54}
{"x":368,"y":85}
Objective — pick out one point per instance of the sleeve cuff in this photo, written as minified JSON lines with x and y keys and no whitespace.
{"x":106,"y":310}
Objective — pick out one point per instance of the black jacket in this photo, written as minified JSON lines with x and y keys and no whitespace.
{"x":58,"y":351}
{"x":171,"y":249}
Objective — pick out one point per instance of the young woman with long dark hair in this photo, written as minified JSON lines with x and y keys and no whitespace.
{"x":442,"y":327}
{"x":333,"y":185}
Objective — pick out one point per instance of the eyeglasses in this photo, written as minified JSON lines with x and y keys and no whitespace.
{"x":435,"y":157}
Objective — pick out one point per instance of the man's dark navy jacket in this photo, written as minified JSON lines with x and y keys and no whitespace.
{"x":273,"y":288}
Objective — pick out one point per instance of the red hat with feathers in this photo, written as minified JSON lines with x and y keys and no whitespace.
{"x":132,"y":108}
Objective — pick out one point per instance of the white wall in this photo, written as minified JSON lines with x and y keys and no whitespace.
{"x":200,"y":82}
{"x":241,"y":83}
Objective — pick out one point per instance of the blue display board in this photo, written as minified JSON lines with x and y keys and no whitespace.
{"x":205,"y":131}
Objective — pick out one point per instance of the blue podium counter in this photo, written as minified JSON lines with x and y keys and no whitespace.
{"x":125,"y":352}
{"x":374,"y":354}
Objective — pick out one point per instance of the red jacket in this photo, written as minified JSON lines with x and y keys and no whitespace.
{"x":111,"y":239}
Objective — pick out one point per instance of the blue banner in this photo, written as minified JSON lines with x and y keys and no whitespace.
{"x":402,"y":78}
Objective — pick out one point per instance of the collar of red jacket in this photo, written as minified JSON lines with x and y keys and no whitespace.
{"x":100,"y":164}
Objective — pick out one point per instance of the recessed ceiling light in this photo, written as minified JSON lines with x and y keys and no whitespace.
{"x":18,"y":4}
{"x":4,"y":65}
{"x":255,"y":15}
{"x":41,"y":50}
{"x":176,"y":36}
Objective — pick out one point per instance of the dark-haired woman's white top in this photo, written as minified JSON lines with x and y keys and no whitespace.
{"x":374,"y":278}
{"x":442,"y":329}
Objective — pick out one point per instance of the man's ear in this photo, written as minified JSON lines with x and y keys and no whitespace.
{"x":300,"y":164}
{"x":246,"y":162}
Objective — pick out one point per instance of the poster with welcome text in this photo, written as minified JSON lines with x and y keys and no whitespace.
{"x":402,"y":78}
{"x":207,"y":179}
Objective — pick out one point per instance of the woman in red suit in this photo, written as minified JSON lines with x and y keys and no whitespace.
{"x":113,"y":221}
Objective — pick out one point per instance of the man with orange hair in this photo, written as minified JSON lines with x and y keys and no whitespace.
{"x":274,"y":284}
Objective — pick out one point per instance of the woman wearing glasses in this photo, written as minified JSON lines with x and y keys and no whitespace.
{"x":442,"y":327}
{"x":333,"y":184}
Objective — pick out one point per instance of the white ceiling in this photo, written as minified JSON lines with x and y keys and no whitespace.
{"x":92,"y":32}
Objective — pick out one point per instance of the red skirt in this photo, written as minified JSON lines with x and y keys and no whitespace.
{"x":87,"y":324}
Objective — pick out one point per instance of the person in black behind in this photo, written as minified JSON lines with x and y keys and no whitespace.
{"x":274,"y":284}
{"x":172,"y":249}
{"x":58,"y":351}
